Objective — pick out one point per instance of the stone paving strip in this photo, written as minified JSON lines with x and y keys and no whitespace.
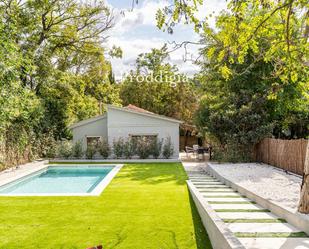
{"x":254,"y":226}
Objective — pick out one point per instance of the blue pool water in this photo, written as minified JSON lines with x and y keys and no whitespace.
{"x":53,"y":180}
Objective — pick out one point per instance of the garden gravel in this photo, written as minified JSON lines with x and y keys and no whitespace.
{"x":264,"y":180}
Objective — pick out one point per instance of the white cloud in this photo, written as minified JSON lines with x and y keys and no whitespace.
{"x":134,"y":33}
{"x":133,"y":47}
{"x":145,"y":14}
{"x":211,"y":9}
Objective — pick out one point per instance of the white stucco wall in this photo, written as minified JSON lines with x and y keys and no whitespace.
{"x":95,"y":128}
{"x":122,"y":124}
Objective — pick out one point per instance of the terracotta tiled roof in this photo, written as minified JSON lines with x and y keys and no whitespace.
{"x":137,"y":109}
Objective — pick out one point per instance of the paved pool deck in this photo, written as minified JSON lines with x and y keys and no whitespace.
{"x":15,"y":173}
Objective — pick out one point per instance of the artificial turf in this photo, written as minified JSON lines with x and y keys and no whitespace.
{"x":145,"y":206}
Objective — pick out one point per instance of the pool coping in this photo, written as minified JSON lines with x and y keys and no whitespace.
{"x":44,"y":165}
{"x":116,"y":161}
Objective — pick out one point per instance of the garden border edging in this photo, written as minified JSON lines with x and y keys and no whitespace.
{"x":172,"y":160}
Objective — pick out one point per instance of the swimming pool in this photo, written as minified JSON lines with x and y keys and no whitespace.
{"x":63,"y":180}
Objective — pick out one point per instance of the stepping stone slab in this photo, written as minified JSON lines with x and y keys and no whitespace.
{"x":231,"y":202}
{"x":208,"y":183}
{"x":279,"y":220}
{"x":262,"y":228}
{"x":222,"y":190}
{"x":235,"y":206}
{"x":241,"y":199}
{"x":221,"y":194}
{"x":242,"y":210}
{"x":201,"y":180}
{"x":247,"y":215}
{"x":275,"y":243}
{"x":272,"y":235}
{"x":211,"y":187}
{"x":199,"y":175}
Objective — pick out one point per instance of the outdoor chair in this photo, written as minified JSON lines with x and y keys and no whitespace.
{"x":189,"y":150}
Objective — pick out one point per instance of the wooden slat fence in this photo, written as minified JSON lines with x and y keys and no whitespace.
{"x":187,"y":141}
{"x":285,"y":154}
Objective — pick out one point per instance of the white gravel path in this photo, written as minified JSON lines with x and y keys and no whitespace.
{"x":265,"y":180}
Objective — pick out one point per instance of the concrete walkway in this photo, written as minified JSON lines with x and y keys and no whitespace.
{"x":254,"y":226}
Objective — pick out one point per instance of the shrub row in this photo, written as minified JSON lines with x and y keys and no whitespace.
{"x":122,"y":148}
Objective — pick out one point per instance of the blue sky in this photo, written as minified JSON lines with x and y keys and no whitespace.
{"x":136,"y":32}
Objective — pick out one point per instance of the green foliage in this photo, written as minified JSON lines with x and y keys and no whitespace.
{"x":232,"y":152}
{"x":91,"y":150}
{"x":245,"y":27}
{"x":118,"y":147}
{"x":46,"y":145}
{"x":273,"y":33}
{"x":52,"y":72}
{"x":168,"y":148}
{"x":156,"y":147}
{"x":250,"y":85}
{"x":65,"y":149}
{"x":236,"y":113}
{"x":128,"y":148}
{"x":144,"y":147}
{"x":20,"y":109}
{"x":103,"y":148}
{"x":116,"y":52}
{"x":157,"y":86}
{"x":77,"y":150}
{"x":178,"y":11}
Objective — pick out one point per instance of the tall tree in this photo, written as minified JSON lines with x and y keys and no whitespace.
{"x":274,"y":32}
{"x":304,"y":193}
{"x":56,"y":55}
{"x":157,"y":86}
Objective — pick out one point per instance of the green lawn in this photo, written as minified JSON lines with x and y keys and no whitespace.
{"x":145,"y":206}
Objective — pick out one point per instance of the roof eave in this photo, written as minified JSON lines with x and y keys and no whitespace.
{"x":146,"y":114}
{"x":87,"y":121}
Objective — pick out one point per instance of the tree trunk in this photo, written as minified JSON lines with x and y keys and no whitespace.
{"x":304,"y":193}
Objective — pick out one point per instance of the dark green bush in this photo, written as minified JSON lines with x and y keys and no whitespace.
{"x":168,"y":148}
{"x":91,"y":151}
{"x":103,"y":148}
{"x":77,"y":150}
{"x":156,"y":147}
{"x":143,"y":148}
{"x":118,"y":146}
{"x":128,"y":148}
{"x":65,"y":149}
{"x":232,"y":152}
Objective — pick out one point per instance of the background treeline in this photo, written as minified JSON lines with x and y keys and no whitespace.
{"x":54,"y":71}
